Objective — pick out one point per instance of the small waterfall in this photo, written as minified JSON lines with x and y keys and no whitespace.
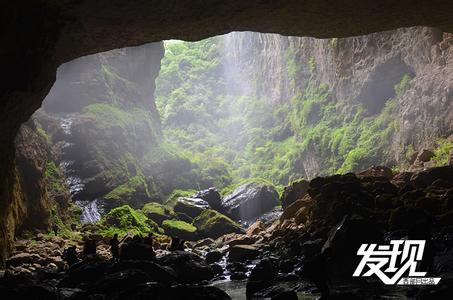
{"x":91,"y":212}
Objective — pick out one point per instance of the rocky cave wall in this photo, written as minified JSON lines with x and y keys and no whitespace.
{"x":111,"y":124}
{"x":358,"y":71}
{"x":40,"y":198}
{"x":41,"y":35}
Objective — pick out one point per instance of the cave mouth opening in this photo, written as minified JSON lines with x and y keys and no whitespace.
{"x":146,"y":133}
{"x":149,"y":123}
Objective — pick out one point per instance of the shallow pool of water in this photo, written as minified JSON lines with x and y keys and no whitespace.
{"x":236,"y":289}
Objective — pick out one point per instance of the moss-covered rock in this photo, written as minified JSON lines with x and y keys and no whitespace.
{"x":184,"y":217}
{"x":192,"y":207}
{"x":125,"y":219}
{"x":134,"y":192}
{"x":213,"y":224}
{"x":180,"y":229}
{"x":158,"y":212}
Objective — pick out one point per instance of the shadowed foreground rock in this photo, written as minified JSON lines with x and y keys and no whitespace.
{"x":315,"y":255}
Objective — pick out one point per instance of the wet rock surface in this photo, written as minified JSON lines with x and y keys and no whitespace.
{"x":250,"y":201}
{"x":212,"y":224}
{"x":211,"y":196}
{"x":190,"y":206}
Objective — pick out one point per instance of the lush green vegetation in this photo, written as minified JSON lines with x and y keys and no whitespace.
{"x":179,"y":229}
{"x":239,"y":137}
{"x":230,"y":138}
{"x":442,"y":151}
{"x":124,"y":219}
{"x":127,"y":190}
{"x":158,"y":212}
{"x":171,"y":199}
{"x":54,"y":176}
{"x":214,"y":224}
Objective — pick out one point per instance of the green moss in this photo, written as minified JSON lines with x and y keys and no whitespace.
{"x":291,"y":64}
{"x":63,"y":229}
{"x":179,"y":225}
{"x":312,"y":64}
{"x":333,"y":43}
{"x":127,"y":190}
{"x":51,"y":170}
{"x":214,"y":224}
{"x":108,"y":115}
{"x":442,"y":152}
{"x":401,"y":87}
{"x":123,"y":220}
{"x":55,"y":178}
{"x":45,"y":136}
{"x":158,"y":212}
{"x":229,"y":138}
{"x":180,"y":229}
{"x":173,"y":197}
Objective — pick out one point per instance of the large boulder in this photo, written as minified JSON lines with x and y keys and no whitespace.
{"x":249,"y":201}
{"x":158,"y":212}
{"x":190,"y":206}
{"x":157,"y":273}
{"x":242,"y":252}
{"x":112,"y":284}
{"x":261,"y":277}
{"x":406,"y":218}
{"x":189,"y":267}
{"x":297,"y":190}
{"x":296,"y":208}
{"x":338,"y":195}
{"x":213,"y":224}
{"x":136,"y":251}
{"x":125,"y":219}
{"x":425,"y":155}
{"x":377,"y":171}
{"x":180,"y":229}
{"x":211,"y":196}
{"x":426,"y":178}
{"x":22,"y":258}
{"x":345,"y":238}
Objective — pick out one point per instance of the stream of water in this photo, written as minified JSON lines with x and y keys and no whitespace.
{"x":90,"y":208}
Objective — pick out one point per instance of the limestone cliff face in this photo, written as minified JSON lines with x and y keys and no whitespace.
{"x":361,"y":74}
{"x":39,"y":195}
{"x":102,"y":117}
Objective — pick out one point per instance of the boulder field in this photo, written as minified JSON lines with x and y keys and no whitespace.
{"x":310,"y":249}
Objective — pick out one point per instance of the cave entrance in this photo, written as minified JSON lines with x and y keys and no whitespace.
{"x":163,"y":120}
